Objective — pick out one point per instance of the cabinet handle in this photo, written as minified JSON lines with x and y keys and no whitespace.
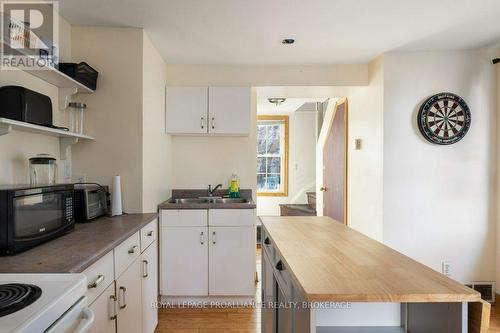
{"x":213,"y":122}
{"x":145,"y":268}
{"x":97,"y":281}
{"x":214,"y":238}
{"x":122,"y":292}
{"x":279,"y":266}
{"x":202,"y":122}
{"x":149,"y":234}
{"x":202,"y":238}
{"x":132,"y":250}
{"x":267,"y":241}
{"x":112,"y":307}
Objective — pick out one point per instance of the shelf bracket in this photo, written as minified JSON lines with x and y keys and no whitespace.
{"x":65,"y":95}
{"x":64,"y":144}
{"x":5,"y":129}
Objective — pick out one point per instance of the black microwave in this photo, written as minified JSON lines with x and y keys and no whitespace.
{"x":31,"y":215}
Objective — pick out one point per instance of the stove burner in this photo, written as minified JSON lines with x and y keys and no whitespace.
{"x":16,"y":296}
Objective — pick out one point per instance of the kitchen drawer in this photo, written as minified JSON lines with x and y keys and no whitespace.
{"x":149,"y":234}
{"x":231,"y":217}
{"x":283,"y":277}
{"x":183,"y":218}
{"x":99,"y":276}
{"x":126,"y":253}
{"x":267,"y":245}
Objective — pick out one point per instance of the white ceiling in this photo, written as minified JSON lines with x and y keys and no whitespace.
{"x":326,"y":31}
{"x":290,"y":105}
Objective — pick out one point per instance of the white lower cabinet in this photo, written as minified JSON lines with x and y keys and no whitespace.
{"x":104,"y":311}
{"x":203,"y":259}
{"x":149,"y":282}
{"x":128,"y":294}
{"x":184,"y":265}
{"x":232,"y":261}
{"x":122,"y":297}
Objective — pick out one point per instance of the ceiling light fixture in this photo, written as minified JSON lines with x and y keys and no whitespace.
{"x":276,"y":100}
{"x":288,"y":41}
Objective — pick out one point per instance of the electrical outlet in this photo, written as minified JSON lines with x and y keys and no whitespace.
{"x":446,"y":268}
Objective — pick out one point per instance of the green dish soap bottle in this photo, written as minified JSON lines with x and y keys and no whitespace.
{"x":234,"y":187}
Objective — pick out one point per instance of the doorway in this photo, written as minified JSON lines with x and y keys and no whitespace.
{"x":334,"y":151}
{"x":287,"y":133}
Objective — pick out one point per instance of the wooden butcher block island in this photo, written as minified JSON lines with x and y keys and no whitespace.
{"x":321,"y":276}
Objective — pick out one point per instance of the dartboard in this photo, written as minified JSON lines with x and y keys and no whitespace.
{"x":444,"y":118}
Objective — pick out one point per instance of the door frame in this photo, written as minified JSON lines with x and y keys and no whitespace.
{"x":341,"y":101}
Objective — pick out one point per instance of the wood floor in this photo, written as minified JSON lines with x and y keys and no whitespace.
{"x":210,"y":320}
{"x":241,"y":320}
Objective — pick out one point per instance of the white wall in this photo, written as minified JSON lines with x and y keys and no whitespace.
{"x":438,"y":199}
{"x":17,"y":147}
{"x":156,"y":145}
{"x":115,"y":115}
{"x":302,"y":164}
{"x":365,"y":166}
{"x":268,"y":75}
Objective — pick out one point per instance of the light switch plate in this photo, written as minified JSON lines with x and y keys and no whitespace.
{"x":358,"y":144}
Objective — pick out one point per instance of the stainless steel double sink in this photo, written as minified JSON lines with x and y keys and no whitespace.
{"x":207,"y":200}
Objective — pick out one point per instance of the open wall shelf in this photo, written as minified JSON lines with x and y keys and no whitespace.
{"x":59,"y":79}
{"x":66,"y":139}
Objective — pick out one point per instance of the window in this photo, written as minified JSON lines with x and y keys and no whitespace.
{"x":272,"y":155}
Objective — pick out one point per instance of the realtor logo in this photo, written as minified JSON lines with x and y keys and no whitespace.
{"x":30,"y":34}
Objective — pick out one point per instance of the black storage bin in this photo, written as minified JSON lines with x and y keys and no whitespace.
{"x":81,"y":72}
{"x":19,"y":103}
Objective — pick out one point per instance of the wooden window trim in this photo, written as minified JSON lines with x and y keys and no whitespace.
{"x":283,"y":193}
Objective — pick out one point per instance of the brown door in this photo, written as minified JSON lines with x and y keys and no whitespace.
{"x":335,"y":167}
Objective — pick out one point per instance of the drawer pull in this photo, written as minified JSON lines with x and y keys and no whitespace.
{"x":202,"y":238}
{"x":149,"y":234}
{"x":132,"y":250}
{"x":112,"y":307}
{"x":214,"y":237}
{"x":267,"y":241}
{"x":145,"y":268}
{"x":279,"y":266}
{"x":122,"y":304}
{"x":97,"y":281}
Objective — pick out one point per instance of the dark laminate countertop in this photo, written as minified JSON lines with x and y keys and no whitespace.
{"x":77,"y":250}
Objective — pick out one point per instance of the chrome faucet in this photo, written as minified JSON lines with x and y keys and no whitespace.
{"x":212,"y":191}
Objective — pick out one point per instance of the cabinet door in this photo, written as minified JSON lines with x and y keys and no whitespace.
{"x":184,"y":261}
{"x":104,"y":311}
{"x":149,"y":260}
{"x":229,"y":110}
{"x":284,"y":313}
{"x":128,"y":293}
{"x":268,"y":296}
{"x":186,"y":110}
{"x":232,"y":261}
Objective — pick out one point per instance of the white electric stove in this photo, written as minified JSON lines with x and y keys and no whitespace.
{"x":44,"y":303}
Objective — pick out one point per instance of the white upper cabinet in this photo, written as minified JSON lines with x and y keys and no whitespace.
{"x":229,"y":110}
{"x":208,"y":110}
{"x":186,"y":110}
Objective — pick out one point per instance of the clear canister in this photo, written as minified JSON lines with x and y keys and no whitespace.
{"x":77,"y":117}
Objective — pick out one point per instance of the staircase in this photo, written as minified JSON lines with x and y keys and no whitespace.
{"x":308,"y":209}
